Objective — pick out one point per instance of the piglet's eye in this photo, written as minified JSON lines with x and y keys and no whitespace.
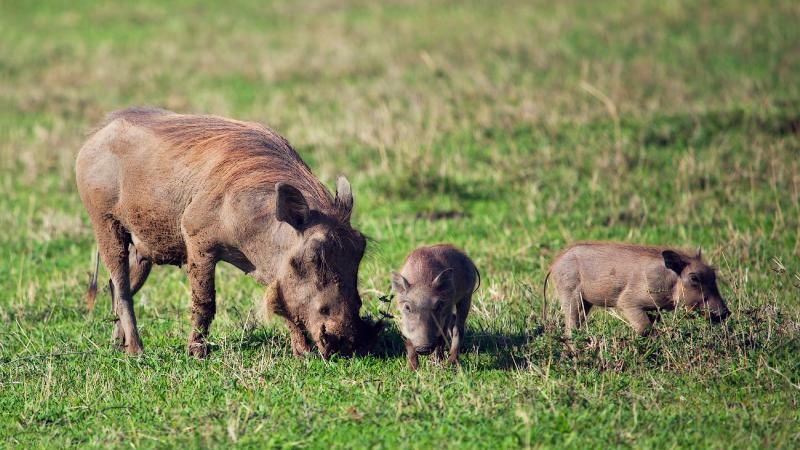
{"x":406,"y":307}
{"x":298,"y":267}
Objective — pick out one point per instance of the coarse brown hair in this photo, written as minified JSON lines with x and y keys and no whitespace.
{"x":246,"y":155}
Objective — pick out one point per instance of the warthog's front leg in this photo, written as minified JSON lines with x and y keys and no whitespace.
{"x":200,"y":268}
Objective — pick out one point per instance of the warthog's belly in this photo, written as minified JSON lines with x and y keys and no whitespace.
{"x":156,"y":238}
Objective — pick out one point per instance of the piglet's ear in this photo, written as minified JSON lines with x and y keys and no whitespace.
{"x":291,"y":206}
{"x":674,"y":261}
{"x":444,"y":281}
{"x":399,"y":283}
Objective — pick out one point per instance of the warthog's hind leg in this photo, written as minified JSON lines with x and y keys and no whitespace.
{"x":112,"y":241}
{"x":139,"y":269}
{"x":575,"y":309}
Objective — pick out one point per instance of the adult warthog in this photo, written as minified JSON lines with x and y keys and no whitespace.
{"x":166,"y":188}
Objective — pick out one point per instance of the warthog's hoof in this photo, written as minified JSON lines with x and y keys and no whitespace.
{"x":300,"y":348}
{"x":134,"y":349}
{"x":198,"y":349}
{"x":453,"y":360}
{"x":118,"y":337}
{"x":119,"y":342}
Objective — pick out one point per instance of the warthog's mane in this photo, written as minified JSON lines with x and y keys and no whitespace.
{"x":247,"y":155}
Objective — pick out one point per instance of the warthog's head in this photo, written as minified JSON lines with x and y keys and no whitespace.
{"x":697,"y":285}
{"x":319,"y":273}
{"x":425,"y":309}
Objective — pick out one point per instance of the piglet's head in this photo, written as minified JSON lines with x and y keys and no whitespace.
{"x":697,"y":285}
{"x":425,"y":309}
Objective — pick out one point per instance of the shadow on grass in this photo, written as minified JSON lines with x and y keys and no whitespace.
{"x":504,"y":349}
{"x":700,"y":129}
{"x":424,"y":182}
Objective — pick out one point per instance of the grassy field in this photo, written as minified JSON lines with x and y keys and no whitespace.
{"x":508,"y":129}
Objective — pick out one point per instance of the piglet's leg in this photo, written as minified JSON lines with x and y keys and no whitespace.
{"x":455,"y":345}
{"x":638,"y":319}
{"x":411,"y":354}
{"x":462,"y":309}
{"x":576,"y":310}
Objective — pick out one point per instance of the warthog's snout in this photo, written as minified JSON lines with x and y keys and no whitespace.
{"x":326,"y":343}
{"x":347,"y":345}
{"x":424,"y":349}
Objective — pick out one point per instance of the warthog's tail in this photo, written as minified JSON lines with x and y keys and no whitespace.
{"x":544,"y":297}
{"x":91,"y":293}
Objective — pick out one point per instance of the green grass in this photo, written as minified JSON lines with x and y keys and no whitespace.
{"x":540,"y":124}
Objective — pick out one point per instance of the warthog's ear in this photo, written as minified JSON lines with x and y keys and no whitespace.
{"x":444,"y":281}
{"x":290,"y":206}
{"x":344,"y":195}
{"x":399,"y":283}
{"x":674,"y":261}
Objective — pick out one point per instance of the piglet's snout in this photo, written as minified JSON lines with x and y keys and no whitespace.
{"x":717,"y":311}
{"x":720,"y":315}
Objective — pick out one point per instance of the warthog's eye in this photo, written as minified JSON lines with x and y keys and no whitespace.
{"x":406,"y":307}
{"x":694,"y":278}
{"x":324,"y":311}
{"x":298,"y":267}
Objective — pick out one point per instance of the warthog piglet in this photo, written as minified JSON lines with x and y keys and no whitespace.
{"x":434,"y":291}
{"x":633,"y":279}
